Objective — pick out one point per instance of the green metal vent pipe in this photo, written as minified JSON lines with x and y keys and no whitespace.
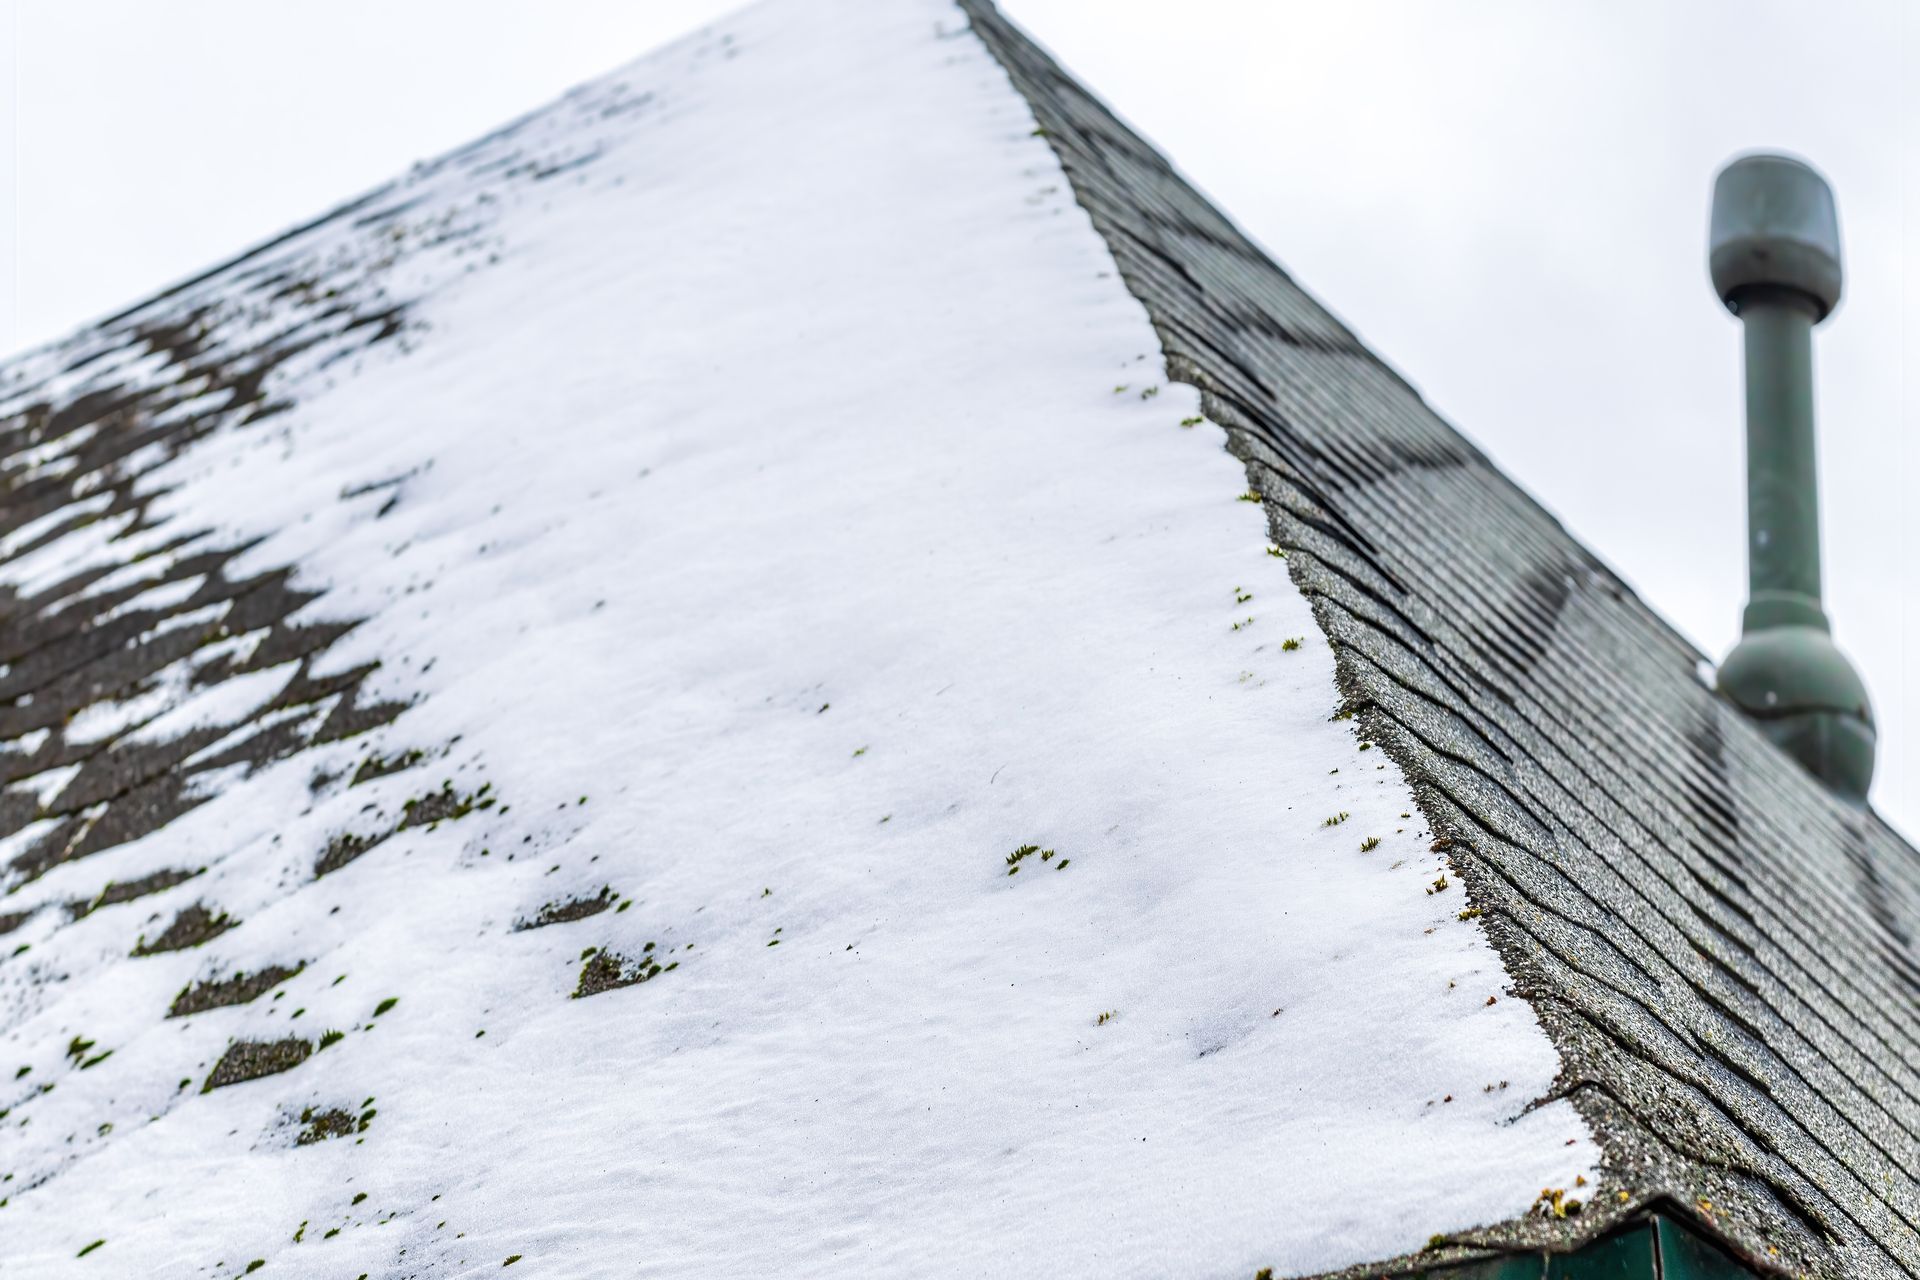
{"x":1774,"y":255}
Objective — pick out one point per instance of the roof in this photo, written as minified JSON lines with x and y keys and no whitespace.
{"x":688,"y":688}
{"x":1720,"y":950}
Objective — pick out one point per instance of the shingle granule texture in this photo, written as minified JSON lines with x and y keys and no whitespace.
{"x":1719,"y":948}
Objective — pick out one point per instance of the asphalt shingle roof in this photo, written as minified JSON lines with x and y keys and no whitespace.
{"x":1721,"y":950}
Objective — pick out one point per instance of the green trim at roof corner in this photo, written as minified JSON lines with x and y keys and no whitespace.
{"x":1687,"y":1255}
{"x":1656,"y":1248}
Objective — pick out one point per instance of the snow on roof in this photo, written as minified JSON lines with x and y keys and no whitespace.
{"x":721,"y":717}
{"x":1720,"y":948}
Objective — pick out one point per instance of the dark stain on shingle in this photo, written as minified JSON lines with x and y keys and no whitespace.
{"x":118,"y":891}
{"x":567,"y":910}
{"x":606,"y":971}
{"x":251,"y":1059}
{"x":241,"y":988}
{"x":334,"y":1122}
{"x":379,"y":766}
{"x":444,"y":805}
{"x":192,"y":927}
{"x":344,"y":848}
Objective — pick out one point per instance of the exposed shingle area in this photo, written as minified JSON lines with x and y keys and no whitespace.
{"x":131,"y":611}
{"x":140,"y":663}
{"x":1720,"y":950}
{"x":156,"y":658}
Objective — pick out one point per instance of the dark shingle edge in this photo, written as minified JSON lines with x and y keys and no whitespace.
{"x":1719,"y":949}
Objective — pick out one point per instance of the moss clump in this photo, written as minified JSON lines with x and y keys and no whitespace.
{"x":1024,"y":852}
{"x":1336,"y":819}
{"x":334,"y":1122}
{"x":190,"y":928}
{"x":445,"y":805}
{"x":1554,"y":1202}
{"x":605,"y":971}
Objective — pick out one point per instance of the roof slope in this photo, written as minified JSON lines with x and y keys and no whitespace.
{"x":672,"y":693}
{"x":1721,"y":951}
{"x":686,"y":551}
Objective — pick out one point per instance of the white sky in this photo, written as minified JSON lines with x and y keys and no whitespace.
{"x":1507,"y":199}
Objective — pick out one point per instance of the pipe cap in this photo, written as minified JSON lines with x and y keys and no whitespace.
{"x":1808,"y":698}
{"x":1774,"y":224}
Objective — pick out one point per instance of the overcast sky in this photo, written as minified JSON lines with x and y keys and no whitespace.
{"x":1506,"y":198}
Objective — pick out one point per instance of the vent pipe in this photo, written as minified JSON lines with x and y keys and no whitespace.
{"x":1774,"y":255}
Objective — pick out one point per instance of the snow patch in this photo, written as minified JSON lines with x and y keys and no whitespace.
{"x":797,"y":539}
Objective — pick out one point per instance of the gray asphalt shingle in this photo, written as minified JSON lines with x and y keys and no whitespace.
{"x":1719,"y":948}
